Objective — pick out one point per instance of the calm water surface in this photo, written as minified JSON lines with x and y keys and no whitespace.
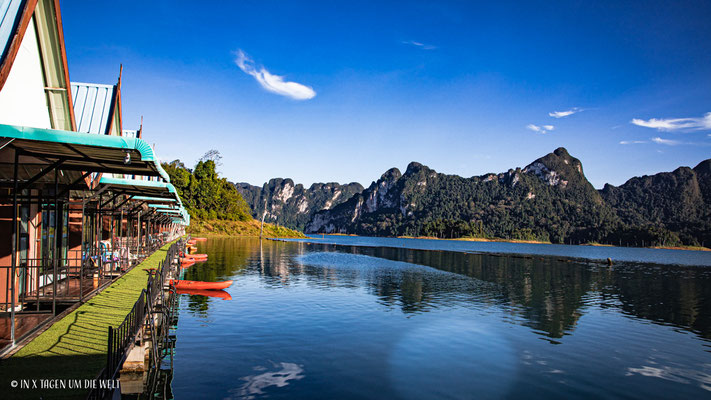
{"x":624,"y":254}
{"x":326,"y":321}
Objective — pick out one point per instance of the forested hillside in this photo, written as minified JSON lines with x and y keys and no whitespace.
{"x":205,"y":194}
{"x":548,"y":200}
{"x":676,"y":204}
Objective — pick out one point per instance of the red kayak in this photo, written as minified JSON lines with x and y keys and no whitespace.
{"x":186,"y":264}
{"x":210,"y":293}
{"x":197,"y":257}
{"x":200,"y":239}
{"x":199,"y":285}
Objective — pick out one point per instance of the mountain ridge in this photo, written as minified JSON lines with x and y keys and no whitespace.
{"x":292,"y":205}
{"x":549,"y":199}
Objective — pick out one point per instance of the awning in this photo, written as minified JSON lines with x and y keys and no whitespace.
{"x":72,"y":153}
{"x":140,"y":188}
{"x":158,"y":200}
{"x":169,"y":211}
{"x":160,"y":207}
{"x":180,"y":215}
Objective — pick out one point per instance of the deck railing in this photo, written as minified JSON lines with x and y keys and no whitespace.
{"x":49,"y":285}
{"x":122,"y":337}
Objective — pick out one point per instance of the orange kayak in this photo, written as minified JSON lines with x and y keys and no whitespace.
{"x":196,"y":257}
{"x":202,"y":292}
{"x":199,"y":285}
{"x":192,"y":242}
{"x":186,"y":264}
{"x":200,"y":239}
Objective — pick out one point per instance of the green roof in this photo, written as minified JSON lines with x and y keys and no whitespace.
{"x":157,"y":199}
{"x":180,"y":216}
{"x":169,"y":211}
{"x":87,"y":152}
{"x":162,"y":206}
{"x":142,"y":190}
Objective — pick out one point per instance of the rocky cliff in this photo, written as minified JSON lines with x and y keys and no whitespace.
{"x":549,"y":199}
{"x":293,"y":205}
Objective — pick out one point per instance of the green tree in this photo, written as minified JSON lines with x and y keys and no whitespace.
{"x":204,"y":193}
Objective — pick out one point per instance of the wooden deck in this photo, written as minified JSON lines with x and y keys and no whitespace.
{"x":68,"y":290}
{"x":24,"y":324}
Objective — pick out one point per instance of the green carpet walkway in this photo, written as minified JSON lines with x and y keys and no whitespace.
{"x":75,"y":346}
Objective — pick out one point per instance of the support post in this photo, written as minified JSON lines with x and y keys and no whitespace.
{"x":138,"y":241}
{"x":97,"y":241}
{"x":81,"y":256}
{"x":120,"y":235}
{"x":55,"y":253}
{"x":14,"y":250}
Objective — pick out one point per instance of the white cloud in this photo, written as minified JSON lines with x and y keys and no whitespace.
{"x":632,"y":142}
{"x":561,"y":114}
{"x":420,"y":45}
{"x":540,"y":129}
{"x":273,"y":83}
{"x":675,"y":124}
{"x":668,"y":142}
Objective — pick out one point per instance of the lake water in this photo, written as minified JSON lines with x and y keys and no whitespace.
{"x":617,"y":254}
{"x":349,"y":322}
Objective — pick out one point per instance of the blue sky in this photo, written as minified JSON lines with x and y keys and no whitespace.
{"x":336,"y":91}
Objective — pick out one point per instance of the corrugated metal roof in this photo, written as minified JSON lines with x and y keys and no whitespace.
{"x":92,"y":106}
{"x":9,"y":18}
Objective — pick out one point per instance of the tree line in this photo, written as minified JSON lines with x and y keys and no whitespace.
{"x":204,"y":193}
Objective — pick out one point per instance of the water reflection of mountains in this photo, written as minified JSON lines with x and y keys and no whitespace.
{"x":546,"y":294}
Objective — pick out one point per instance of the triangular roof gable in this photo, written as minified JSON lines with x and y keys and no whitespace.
{"x":97,"y":107}
{"x":93,"y":106}
{"x":15,"y":17}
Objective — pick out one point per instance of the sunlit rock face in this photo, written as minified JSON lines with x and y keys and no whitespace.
{"x":404,"y":203}
{"x":292,"y":205}
{"x":548,"y":199}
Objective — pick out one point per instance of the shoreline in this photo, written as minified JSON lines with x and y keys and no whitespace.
{"x":232,"y":228}
{"x":517,"y":241}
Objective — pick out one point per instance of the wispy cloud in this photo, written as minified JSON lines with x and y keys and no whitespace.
{"x":566,"y":113}
{"x":675,"y":124}
{"x":667,"y":142}
{"x":273,"y":83}
{"x":540,"y":129}
{"x":420,"y":45}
